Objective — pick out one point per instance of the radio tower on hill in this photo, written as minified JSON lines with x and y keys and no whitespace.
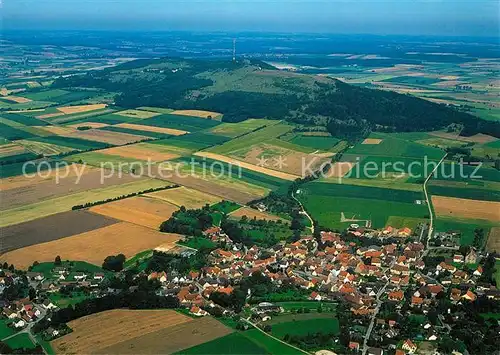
{"x":234,"y":49}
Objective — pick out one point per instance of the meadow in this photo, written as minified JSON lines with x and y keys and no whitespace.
{"x":186,"y":123}
{"x":72,"y":142}
{"x":304,"y":324}
{"x":235,"y":343}
{"x":233,"y":130}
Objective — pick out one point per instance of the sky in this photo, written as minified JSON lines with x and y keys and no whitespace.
{"x":413,"y":17}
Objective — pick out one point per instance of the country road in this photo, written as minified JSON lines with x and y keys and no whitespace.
{"x":428,"y":201}
{"x":304,"y":212}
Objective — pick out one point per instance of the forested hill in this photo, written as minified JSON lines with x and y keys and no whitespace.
{"x":254,"y":89}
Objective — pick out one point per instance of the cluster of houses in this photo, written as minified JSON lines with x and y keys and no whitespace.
{"x":333,"y":269}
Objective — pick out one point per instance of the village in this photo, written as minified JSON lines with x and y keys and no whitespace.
{"x":380,"y":279}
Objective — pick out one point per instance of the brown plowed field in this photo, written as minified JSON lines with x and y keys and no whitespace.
{"x":465,"y":208}
{"x":174,"y":132}
{"x":144,"y":211}
{"x":140,"y":152}
{"x":114,"y":327}
{"x":114,"y":138}
{"x":93,"y":246}
{"x":50,"y":228}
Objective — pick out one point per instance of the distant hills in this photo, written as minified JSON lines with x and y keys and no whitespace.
{"x":254,"y":89}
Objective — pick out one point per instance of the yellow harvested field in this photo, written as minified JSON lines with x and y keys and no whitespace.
{"x":94,"y":246}
{"x":253,"y":213}
{"x":10,"y":149}
{"x":50,"y":115}
{"x":174,"y":132}
{"x":450,"y":77}
{"x":465,"y":208}
{"x":339,"y":169}
{"x":57,"y":204}
{"x":68,"y":110}
{"x":144,"y":211}
{"x":89,"y":124}
{"x":183,"y":196}
{"x":372,"y":141}
{"x":137,"y":114}
{"x":58,"y":130}
{"x":17,"y":99}
{"x":125,"y":331}
{"x":114,"y":138}
{"x":141,"y":151}
{"x":260,"y":169}
{"x":198,"y":113}
{"x":114,"y":327}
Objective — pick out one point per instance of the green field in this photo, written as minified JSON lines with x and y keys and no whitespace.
{"x":413,"y":80}
{"x":471,"y":174}
{"x":136,"y":132}
{"x":20,"y":341}
{"x":186,"y":123}
{"x":316,"y":142}
{"x":109,"y":118}
{"x":185,"y":145}
{"x":256,"y":137}
{"x":304,"y":324}
{"x":327,"y":210}
{"x":15,"y":169}
{"x":12,"y":133}
{"x":21,"y":157}
{"x":271,"y":345}
{"x":200,"y":139}
{"x":198,"y":243}
{"x":326,"y":202}
{"x":225,"y":207}
{"x":396,"y":147}
{"x":234,"y":343}
{"x":5,"y":331}
{"x":24,"y":120}
{"x":467,"y":192}
{"x":233,"y":130}
{"x":45,"y":95}
{"x":76,"y":143}
{"x":365,"y":192}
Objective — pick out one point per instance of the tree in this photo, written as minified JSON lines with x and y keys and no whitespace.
{"x":32,"y":293}
{"x":57,"y":261}
{"x":114,"y":262}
